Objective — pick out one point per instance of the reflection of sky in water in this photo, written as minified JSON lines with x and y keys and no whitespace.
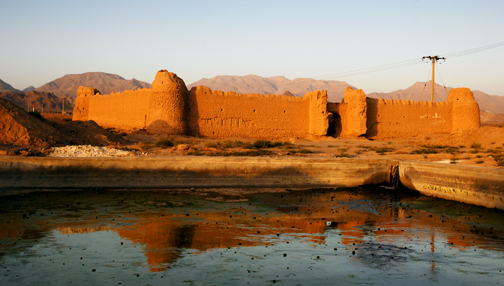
{"x":341,"y":237}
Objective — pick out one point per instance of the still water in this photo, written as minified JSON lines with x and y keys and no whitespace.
{"x":357,"y":236}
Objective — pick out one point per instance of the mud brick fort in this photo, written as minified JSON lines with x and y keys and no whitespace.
{"x":169,"y":108}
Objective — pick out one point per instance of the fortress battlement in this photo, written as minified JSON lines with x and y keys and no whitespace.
{"x":170,"y":108}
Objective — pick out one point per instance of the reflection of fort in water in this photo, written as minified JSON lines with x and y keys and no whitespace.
{"x":165,"y":234}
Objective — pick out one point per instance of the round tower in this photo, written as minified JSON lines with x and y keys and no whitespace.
{"x":465,"y":109}
{"x":167,"y":105}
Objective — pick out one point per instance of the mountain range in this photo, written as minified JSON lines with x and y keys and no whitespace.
{"x":6,"y":86}
{"x":106,"y":83}
{"x":422,"y":91}
{"x":43,"y":101}
{"x":273,"y":85}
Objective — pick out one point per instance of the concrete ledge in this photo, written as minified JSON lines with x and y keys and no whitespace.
{"x":468,"y":184}
{"x":190,"y":171}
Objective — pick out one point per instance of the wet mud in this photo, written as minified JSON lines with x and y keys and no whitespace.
{"x":351,"y":236}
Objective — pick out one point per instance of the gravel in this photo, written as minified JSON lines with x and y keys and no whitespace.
{"x":88,"y":151}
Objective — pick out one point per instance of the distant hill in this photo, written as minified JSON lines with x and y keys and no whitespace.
{"x":6,"y":86}
{"x":45,"y":101}
{"x":106,"y":83}
{"x":491,"y":118}
{"x":30,"y":88}
{"x":422,"y":91}
{"x":274,"y":85}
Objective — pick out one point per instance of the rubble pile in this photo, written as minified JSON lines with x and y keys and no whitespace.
{"x":88,"y":151}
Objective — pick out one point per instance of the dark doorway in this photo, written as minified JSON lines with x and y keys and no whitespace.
{"x":334,"y":129}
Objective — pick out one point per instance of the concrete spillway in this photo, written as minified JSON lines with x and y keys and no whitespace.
{"x":473,"y":185}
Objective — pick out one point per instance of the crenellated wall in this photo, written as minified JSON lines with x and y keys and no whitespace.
{"x":405,"y":118}
{"x":126,"y":110}
{"x":215,"y":113}
{"x":169,"y":108}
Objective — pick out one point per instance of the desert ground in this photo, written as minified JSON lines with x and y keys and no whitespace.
{"x":482,"y":147}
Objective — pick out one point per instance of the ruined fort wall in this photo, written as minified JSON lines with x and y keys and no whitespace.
{"x":465,"y":109}
{"x":167,"y":110}
{"x":406,"y":118}
{"x":228,"y":114}
{"x":81,"y":108}
{"x":127,"y":110}
{"x":319,"y":116}
{"x":355,"y":120}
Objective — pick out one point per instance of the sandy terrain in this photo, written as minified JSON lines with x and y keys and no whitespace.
{"x":480,"y":147}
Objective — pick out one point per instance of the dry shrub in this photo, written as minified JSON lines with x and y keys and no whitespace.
{"x":163,"y":143}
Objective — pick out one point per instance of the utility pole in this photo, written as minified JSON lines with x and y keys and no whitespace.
{"x":434,"y":59}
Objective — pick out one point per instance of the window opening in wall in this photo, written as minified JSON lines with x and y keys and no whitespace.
{"x":284,"y":111}
{"x":254,"y":110}
{"x":221,"y":109}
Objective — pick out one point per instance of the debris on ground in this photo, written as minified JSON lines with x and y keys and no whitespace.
{"x":89,"y":151}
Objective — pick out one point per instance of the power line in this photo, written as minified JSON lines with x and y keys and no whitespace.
{"x":407,"y":62}
{"x":475,"y":50}
{"x":373,"y":69}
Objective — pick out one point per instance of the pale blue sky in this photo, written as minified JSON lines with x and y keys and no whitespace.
{"x":44,"y":40}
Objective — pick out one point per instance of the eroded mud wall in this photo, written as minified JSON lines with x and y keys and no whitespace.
{"x":125,"y":110}
{"x":228,"y":114}
{"x":81,"y":108}
{"x":354,"y":124}
{"x":406,"y":118}
{"x":319,"y":116}
{"x":465,"y":109}
{"x":167,"y":105}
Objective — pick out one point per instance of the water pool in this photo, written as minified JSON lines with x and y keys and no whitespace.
{"x":351,"y":236}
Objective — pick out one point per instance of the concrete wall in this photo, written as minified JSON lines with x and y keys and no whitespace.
{"x":189,"y":171}
{"x":468,"y":184}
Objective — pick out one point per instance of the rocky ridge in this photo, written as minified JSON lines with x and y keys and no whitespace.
{"x":106,"y":83}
